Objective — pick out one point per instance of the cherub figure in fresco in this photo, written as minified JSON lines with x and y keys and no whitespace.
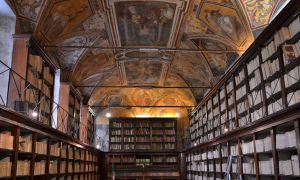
{"x":228,"y":24}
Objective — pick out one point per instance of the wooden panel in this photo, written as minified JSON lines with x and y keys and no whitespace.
{"x":62,"y":119}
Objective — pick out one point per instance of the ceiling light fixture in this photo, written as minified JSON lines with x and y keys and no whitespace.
{"x":226,"y":129}
{"x":108,"y":115}
{"x":148,"y":50}
{"x":34,"y":114}
{"x":177,"y":115}
{"x":98,"y":146}
{"x":143,"y":115}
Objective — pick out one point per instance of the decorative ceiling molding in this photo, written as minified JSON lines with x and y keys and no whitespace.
{"x":128,"y":22}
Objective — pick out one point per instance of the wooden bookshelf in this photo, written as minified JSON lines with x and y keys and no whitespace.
{"x":74,"y":114}
{"x":136,"y":165}
{"x":33,"y":93}
{"x":140,"y":134}
{"x":90,"y":127}
{"x":263,"y":82}
{"x":253,"y":111}
{"x":268,"y":150}
{"x":30,"y":150}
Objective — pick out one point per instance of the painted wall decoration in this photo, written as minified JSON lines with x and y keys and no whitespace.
{"x":64,"y":17}
{"x":102,"y":137}
{"x":224,"y":21}
{"x":218,"y":61}
{"x":29,"y":8}
{"x":259,"y":12}
{"x":68,"y":57}
{"x":144,"y":23}
{"x":143,"y":71}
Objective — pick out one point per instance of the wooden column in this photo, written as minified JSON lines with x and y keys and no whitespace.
{"x":62,"y":119}
{"x":19,"y":65}
{"x":84,"y":110}
{"x":183,"y":174}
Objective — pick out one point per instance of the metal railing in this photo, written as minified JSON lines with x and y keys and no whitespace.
{"x":21,"y":96}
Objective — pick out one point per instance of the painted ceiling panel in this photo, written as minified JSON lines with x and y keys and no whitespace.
{"x":205,"y":25}
{"x":259,"y":12}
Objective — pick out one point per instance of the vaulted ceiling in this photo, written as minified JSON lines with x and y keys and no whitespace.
{"x":224,"y":26}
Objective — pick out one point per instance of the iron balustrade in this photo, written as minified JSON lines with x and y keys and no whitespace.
{"x":59,"y":118}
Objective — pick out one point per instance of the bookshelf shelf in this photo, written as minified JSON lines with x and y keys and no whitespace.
{"x":259,"y":100}
{"x":42,"y":152}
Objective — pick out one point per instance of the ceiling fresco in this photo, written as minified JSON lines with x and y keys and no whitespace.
{"x":259,"y":13}
{"x":208,"y":25}
{"x":144,"y":23}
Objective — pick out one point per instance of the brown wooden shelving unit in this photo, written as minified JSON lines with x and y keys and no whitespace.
{"x":33,"y":150}
{"x":143,"y":147}
{"x":253,"y":111}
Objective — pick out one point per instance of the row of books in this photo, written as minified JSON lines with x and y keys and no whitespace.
{"x":34,"y":79}
{"x":293,"y":98}
{"x":273,"y":87}
{"x":268,"y":50}
{"x":117,"y":125}
{"x":36,"y":62}
{"x":269,"y":68}
{"x":41,"y":148}
{"x":116,"y":132}
{"x":257,"y":114}
{"x":48,"y":75}
{"x":119,"y":139}
{"x":6,"y":140}
{"x":128,"y":132}
{"x":292,"y":77}
{"x":289,"y":167}
{"x":240,"y":77}
{"x":248,"y":167}
{"x":286,"y":140}
{"x":115,"y":146}
{"x":275,"y":106}
{"x":241,"y":92}
{"x":5,"y":163}
{"x":126,"y":139}
{"x":255,"y":80}
{"x":39,"y":167}
{"x":201,"y":177}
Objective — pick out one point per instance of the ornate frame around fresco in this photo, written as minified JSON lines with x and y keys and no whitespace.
{"x":181,"y":9}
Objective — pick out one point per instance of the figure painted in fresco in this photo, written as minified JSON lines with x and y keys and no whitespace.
{"x":228,"y":24}
{"x":144,"y":23}
{"x":259,"y":12}
{"x":29,"y":8}
{"x":143,"y":71}
{"x":56,"y":22}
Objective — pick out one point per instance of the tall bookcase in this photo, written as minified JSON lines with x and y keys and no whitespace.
{"x":139,"y":147}
{"x":30,"y":150}
{"x":90,"y":127}
{"x":140,"y":134}
{"x":31,"y":84}
{"x":74,"y":114}
{"x":253,"y":111}
{"x":263,"y":82}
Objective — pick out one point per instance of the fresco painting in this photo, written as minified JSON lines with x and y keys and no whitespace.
{"x":223,"y":21}
{"x":259,"y":12}
{"x":65,"y":16}
{"x":144,"y":23}
{"x":143,"y":71}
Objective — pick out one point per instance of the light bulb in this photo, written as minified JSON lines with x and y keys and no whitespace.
{"x":177,"y":115}
{"x":34,"y":114}
{"x":226,"y":130}
{"x":108,"y":115}
{"x":98,"y":146}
